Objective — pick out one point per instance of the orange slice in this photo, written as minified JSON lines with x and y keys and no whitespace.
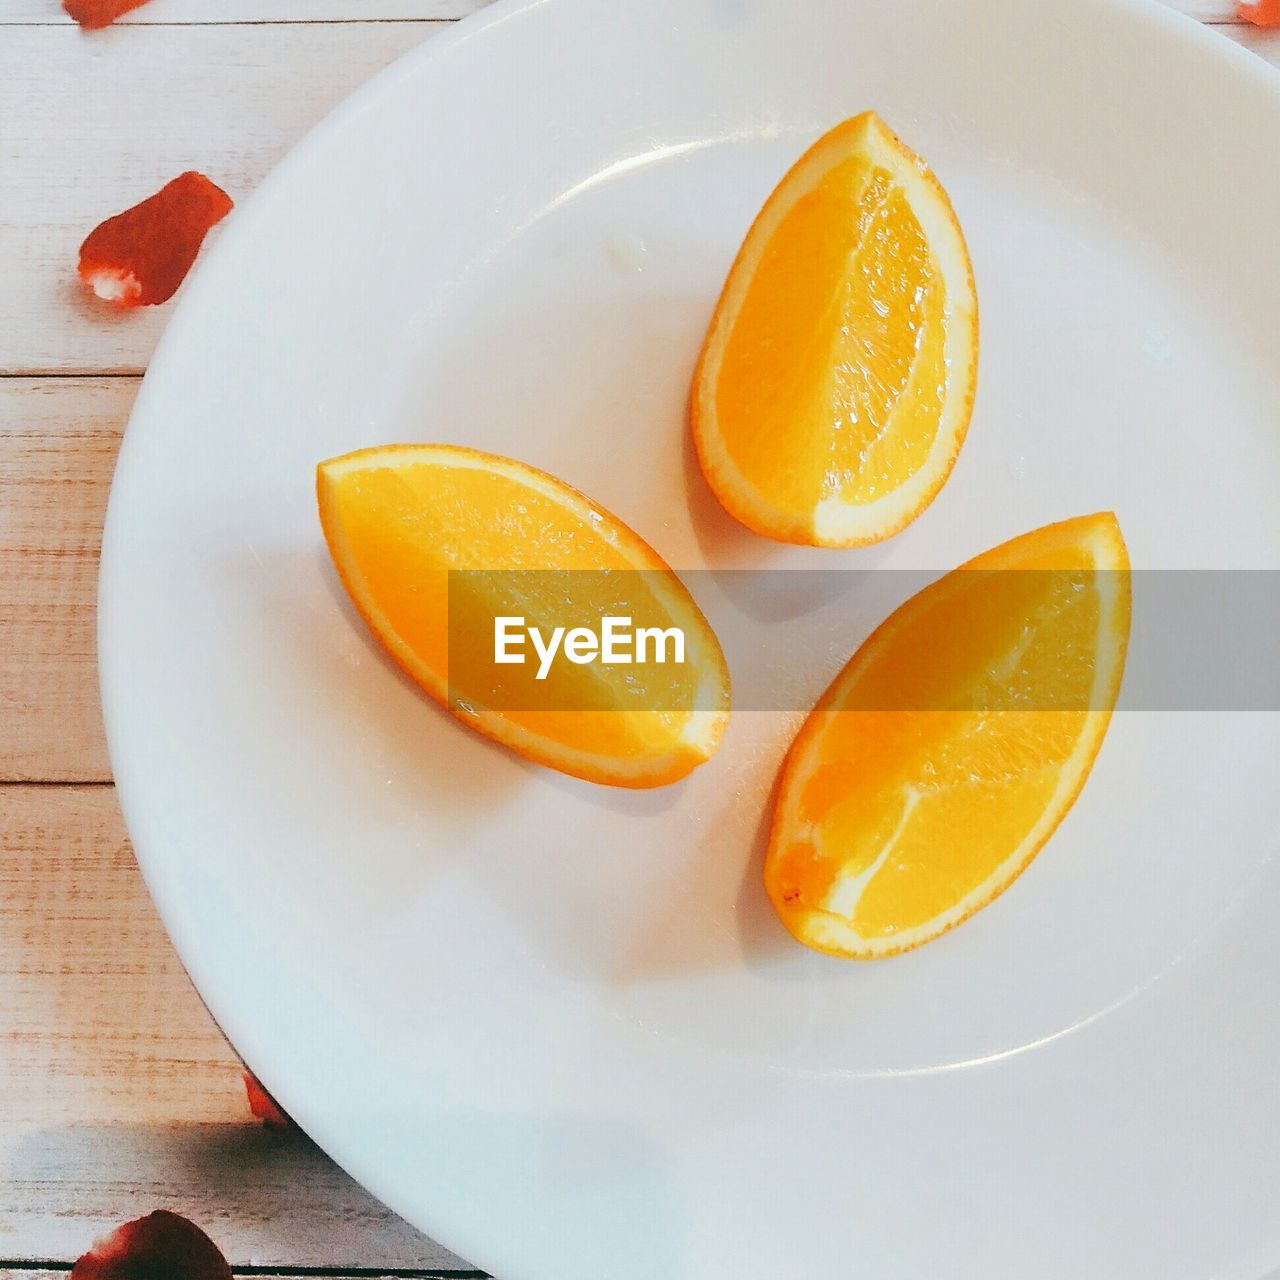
{"x":836,"y":381}
{"x":418,"y":532}
{"x":950,"y":747}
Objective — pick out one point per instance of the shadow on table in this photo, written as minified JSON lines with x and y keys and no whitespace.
{"x":273,"y":1198}
{"x":266,"y":1197}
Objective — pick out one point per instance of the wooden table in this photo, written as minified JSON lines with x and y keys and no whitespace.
{"x":117,"y":1093}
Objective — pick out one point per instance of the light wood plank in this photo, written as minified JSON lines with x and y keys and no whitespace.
{"x":171,"y":12}
{"x":92,"y":125}
{"x":58,"y":442}
{"x":120,"y":1094}
{"x":128,"y":1097}
{"x":1265,"y":43}
{"x":253,"y":92}
{"x":193,"y":11}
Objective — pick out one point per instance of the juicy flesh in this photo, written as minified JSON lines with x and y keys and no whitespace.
{"x":940,"y":757}
{"x":408,"y":526}
{"x":836,"y":362}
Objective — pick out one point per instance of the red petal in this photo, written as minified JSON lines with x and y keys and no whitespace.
{"x":92,"y":14}
{"x":264,"y":1106}
{"x":161,"y":1246}
{"x":1262,"y":13}
{"x":141,"y":256}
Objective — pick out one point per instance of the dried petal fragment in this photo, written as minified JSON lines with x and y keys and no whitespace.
{"x":263,"y":1105}
{"x":141,"y":256}
{"x":95,"y":14}
{"x":1262,"y":13}
{"x":161,"y":1246}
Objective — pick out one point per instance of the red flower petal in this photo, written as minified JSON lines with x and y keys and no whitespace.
{"x":1262,"y":13}
{"x":141,"y":256}
{"x":263,"y":1105}
{"x":161,"y":1246}
{"x":92,"y":14}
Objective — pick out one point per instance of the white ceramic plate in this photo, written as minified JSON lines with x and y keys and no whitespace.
{"x":555,"y":1025}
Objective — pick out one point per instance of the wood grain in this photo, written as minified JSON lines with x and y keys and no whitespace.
{"x":211,"y":12}
{"x":252,"y":92}
{"x":118,"y":122}
{"x":1265,"y":42}
{"x":58,"y":442}
{"x":120,"y":1094}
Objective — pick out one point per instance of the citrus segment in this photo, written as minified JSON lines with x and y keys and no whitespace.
{"x":952,"y":744}
{"x":435,"y":542}
{"x":836,"y":380}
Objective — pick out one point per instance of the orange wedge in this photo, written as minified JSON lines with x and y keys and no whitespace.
{"x":836,"y":381}
{"x":950,"y":747}
{"x":435,"y":542}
